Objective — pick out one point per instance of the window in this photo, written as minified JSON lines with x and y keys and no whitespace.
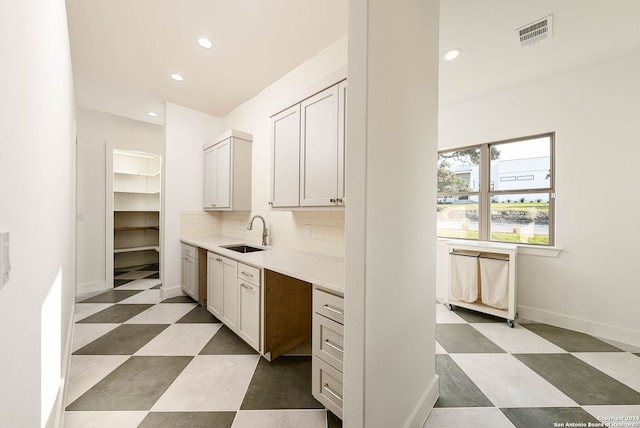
{"x":500,"y":191}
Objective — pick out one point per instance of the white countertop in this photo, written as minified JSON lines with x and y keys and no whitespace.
{"x":323,"y":271}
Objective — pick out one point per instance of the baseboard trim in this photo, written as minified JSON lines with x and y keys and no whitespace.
{"x":171,"y":292}
{"x":90,"y":287}
{"x":421,"y":413}
{"x":606,"y":331}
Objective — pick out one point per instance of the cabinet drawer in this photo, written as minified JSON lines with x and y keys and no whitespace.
{"x":329,"y":305}
{"x":188,"y":250}
{"x":249,"y":274}
{"x":327,"y":386}
{"x":328,"y":341}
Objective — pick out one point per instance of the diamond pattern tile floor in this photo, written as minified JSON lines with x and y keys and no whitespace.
{"x":531,"y":376}
{"x":140,"y":363}
{"x":174,"y":364}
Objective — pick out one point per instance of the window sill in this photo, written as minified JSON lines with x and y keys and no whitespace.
{"x":523,"y":249}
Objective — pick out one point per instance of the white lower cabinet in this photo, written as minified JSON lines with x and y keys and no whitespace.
{"x":222,"y":289}
{"x":190,"y":271}
{"x":328,"y":349}
{"x":233,"y":290}
{"x":249,"y":305}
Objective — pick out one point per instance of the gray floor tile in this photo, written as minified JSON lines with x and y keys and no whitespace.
{"x":119,"y":282}
{"x":157,"y":287}
{"x":571,"y":341}
{"x":198,"y":315}
{"x":281,"y":384}
{"x":179,"y":299}
{"x":581,"y":382}
{"x":547,"y":417}
{"x":123,"y":340}
{"x":474,"y":316}
{"x":135,"y":385}
{"x":117,"y":313}
{"x":333,"y":421}
{"x":111,"y":296}
{"x":456,"y":389}
{"x":188,"y":420}
{"x":462,"y":338}
{"x":226,"y":342}
{"x":155,"y":275}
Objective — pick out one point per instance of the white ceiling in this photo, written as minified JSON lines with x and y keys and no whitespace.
{"x":123,"y":51}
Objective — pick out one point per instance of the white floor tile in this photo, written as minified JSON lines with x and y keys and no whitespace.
{"x":615,"y":415}
{"x":210,"y":382}
{"x":445,"y":316}
{"x":440,"y":349}
{"x":162,"y":313}
{"x":83,"y":334}
{"x":622,"y":366}
{"x":134,"y":274}
{"x":180,"y":339}
{"x":144,"y":297}
{"x":280,"y":419}
{"x":87,"y":370}
{"x":477,"y":417}
{"x":139,"y":284}
{"x":517,"y":340}
{"x":103,"y":419}
{"x":509,"y":383}
{"x":84,"y":310}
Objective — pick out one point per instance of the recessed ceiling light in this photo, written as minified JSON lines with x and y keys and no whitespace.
{"x":177,"y":77}
{"x":452,"y":54}
{"x":152,"y":114}
{"x":205,"y":43}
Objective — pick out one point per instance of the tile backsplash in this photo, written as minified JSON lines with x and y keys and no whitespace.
{"x":320,"y":232}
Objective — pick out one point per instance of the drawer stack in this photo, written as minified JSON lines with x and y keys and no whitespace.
{"x":328,"y":349}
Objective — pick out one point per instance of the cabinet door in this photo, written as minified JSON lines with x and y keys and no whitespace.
{"x":215,"y":290}
{"x":185,"y":274}
{"x":319,"y":149}
{"x":193,"y":278}
{"x":249,"y":321}
{"x":223,"y":174}
{"x":210,"y":178}
{"x":285,"y":158}
{"x":342,"y":138}
{"x":230,"y":293}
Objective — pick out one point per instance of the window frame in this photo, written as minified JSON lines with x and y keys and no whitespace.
{"x":486,"y":187}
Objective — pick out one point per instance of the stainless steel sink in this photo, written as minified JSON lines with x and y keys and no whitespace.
{"x":242,"y":248}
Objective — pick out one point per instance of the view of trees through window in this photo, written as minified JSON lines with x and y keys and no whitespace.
{"x":499,"y":191}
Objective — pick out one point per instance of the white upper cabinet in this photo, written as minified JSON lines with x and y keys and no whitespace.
{"x":285,"y":158}
{"x":227,"y":172}
{"x":319,"y":149}
{"x":308,"y":141}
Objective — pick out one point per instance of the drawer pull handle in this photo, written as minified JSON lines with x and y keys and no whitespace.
{"x":246,"y":274}
{"x":218,"y":259}
{"x":334,"y":309}
{"x":248,"y":287}
{"x":332,"y":392}
{"x":334,"y":346}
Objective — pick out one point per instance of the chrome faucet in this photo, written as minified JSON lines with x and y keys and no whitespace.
{"x":264,"y":228}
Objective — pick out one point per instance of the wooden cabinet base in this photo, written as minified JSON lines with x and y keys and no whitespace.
{"x":287,"y":309}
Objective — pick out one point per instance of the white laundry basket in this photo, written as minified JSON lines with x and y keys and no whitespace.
{"x":464,"y":275}
{"x":494,"y":279}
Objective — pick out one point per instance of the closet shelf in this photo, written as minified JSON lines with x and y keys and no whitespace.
{"x":125,"y":228}
{"x":141,"y":174}
{"x":130,"y":249}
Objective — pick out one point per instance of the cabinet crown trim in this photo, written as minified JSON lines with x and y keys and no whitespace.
{"x":231,"y":133}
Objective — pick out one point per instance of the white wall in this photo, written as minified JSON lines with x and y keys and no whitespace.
{"x":186,"y":131}
{"x":37,"y":187}
{"x":390,"y":376}
{"x":94,"y":129}
{"x":286,"y":228}
{"x":592,"y":285}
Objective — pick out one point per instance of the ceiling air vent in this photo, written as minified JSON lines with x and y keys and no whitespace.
{"x":536,"y":31}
